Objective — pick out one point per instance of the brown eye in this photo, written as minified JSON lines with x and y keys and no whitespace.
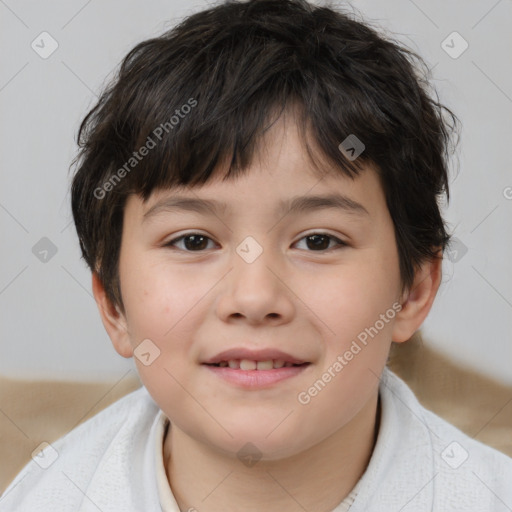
{"x":321,"y":241}
{"x":194,"y":242}
{"x":197,"y":242}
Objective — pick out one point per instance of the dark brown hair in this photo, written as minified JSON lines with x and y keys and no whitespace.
{"x":204,"y":92}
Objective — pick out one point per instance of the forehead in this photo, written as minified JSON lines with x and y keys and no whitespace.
{"x":358,"y":201}
{"x":283,"y":176}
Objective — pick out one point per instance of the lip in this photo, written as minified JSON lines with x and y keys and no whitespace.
{"x":254,"y":355}
{"x":256,"y":379}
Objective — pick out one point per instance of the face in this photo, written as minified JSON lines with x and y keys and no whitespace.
{"x":306,"y":295}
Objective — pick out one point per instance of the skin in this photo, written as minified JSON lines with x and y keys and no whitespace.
{"x":308,"y":302}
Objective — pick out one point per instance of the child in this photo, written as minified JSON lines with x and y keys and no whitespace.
{"x":247,"y":135}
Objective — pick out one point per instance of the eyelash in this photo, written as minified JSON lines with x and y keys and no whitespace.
{"x":340,"y":243}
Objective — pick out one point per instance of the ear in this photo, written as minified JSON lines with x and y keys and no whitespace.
{"x":419,"y":299}
{"x":113,"y":319}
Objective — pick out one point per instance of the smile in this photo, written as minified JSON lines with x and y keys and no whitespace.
{"x":249,"y":365}
{"x":253,"y":375}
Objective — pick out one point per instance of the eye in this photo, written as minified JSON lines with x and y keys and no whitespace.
{"x":193,"y":242}
{"x":197,"y":242}
{"x":321,"y":241}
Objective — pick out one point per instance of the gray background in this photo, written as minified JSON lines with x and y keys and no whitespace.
{"x":49,"y":326}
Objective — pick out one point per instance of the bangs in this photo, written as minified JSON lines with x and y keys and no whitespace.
{"x":189,"y":138}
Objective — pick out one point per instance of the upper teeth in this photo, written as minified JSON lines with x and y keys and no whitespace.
{"x":247,"y":364}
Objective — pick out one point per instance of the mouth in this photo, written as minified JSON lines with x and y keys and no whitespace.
{"x":251,"y":369}
{"x":262,"y":359}
{"x":250,"y":364}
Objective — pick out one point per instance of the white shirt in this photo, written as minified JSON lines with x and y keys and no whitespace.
{"x":114,"y":462}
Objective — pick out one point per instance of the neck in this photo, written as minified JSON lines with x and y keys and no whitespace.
{"x":317,"y":479}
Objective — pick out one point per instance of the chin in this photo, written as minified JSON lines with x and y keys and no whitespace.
{"x":256,"y":444}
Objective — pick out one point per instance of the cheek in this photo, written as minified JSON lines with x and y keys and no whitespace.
{"x":357,"y":342}
{"x":158,"y":309}
{"x":157,"y":298}
{"x":355,"y":313}
{"x":352,"y":298}
{"x":166,"y":305}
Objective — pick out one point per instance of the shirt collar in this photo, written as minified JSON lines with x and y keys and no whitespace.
{"x":400,"y":474}
{"x":393,"y":480}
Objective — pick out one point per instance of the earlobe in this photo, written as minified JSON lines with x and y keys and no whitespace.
{"x":113,"y":319}
{"x":418,"y":300}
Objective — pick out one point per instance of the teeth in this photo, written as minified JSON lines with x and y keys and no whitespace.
{"x":247,"y":364}
{"x":265,"y":365}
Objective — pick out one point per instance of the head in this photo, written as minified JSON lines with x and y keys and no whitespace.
{"x":247,"y":104}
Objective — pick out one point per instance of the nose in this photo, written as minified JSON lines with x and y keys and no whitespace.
{"x":256,"y":292}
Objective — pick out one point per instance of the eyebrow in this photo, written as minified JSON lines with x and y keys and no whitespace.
{"x":301,"y":204}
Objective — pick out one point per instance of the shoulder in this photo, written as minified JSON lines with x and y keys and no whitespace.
{"x":465,"y":472}
{"x":65,"y":468}
{"x":474,"y":472}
